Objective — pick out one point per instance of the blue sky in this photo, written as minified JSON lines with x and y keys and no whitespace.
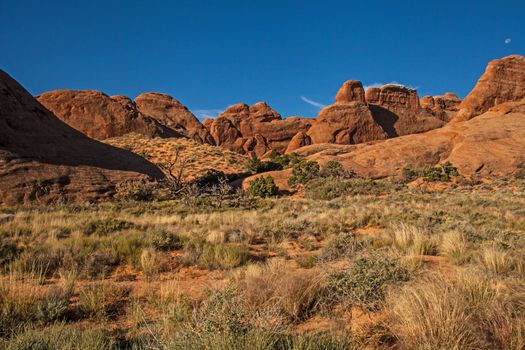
{"x":292,"y":54}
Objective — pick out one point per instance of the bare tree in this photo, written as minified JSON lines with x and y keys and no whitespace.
{"x":221,"y":190}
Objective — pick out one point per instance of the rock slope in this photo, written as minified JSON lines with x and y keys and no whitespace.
{"x":43,"y":159}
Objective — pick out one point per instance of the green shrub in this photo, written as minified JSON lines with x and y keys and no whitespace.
{"x":285,"y":160}
{"x":338,"y":246}
{"x":263,"y":186}
{"x":327,"y":188}
{"x":303,"y":172}
{"x":256,"y":166}
{"x":306,"y":261}
{"x":443,"y":172}
{"x":363,"y":284}
{"x":333,"y":168}
{"x":53,"y":306}
{"x":165,"y":241}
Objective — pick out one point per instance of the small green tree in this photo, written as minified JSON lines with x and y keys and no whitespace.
{"x":263,"y":186}
{"x":303,"y":172}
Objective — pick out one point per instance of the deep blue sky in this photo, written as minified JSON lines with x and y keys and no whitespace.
{"x":211,"y":54}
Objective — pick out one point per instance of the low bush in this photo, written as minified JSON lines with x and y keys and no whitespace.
{"x":263,"y":186}
{"x":256,"y":165}
{"x":335,"y":169}
{"x":284,"y":160}
{"x":342,"y":245}
{"x":363,"y":284}
{"x":165,"y":241}
{"x":303,"y":172}
{"x":443,"y":172}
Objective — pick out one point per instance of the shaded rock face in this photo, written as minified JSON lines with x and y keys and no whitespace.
{"x":396,"y":108}
{"x":43,"y":159}
{"x":99,"y":116}
{"x":255,"y":129}
{"x":171,"y":113}
{"x":503,"y":81}
{"x":380,"y":113}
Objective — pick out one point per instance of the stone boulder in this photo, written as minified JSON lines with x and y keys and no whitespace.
{"x":43,"y":159}
{"x":299,"y":140}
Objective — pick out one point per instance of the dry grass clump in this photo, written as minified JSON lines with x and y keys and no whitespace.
{"x":204,"y":254}
{"x":101,"y":300}
{"x":454,"y":247}
{"x":462,"y":313}
{"x":497,"y":261}
{"x":411,"y":242}
{"x":294,"y":294}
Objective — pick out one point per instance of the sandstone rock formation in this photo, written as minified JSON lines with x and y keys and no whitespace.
{"x":99,"y":116}
{"x":492,"y":143}
{"x":443,"y":107}
{"x":396,"y":108}
{"x":503,"y":81}
{"x":171,"y":113}
{"x":43,"y":159}
{"x":346,"y":123}
{"x":255,"y":129}
{"x":351,"y":91}
{"x":299,"y":140}
{"x":380,"y":113}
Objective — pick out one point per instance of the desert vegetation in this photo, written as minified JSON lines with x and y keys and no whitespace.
{"x":352,"y":264}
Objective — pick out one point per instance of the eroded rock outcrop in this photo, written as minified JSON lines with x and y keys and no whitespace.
{"x":255,"y":129}
{"x":99,"y":116}
{"x":43,"y":159}
{"x":299,"y":140}
{"x":396,"y":108}
{"x":490,"y":144}
{"x":173,"y":114}
{"x":503,"y":81}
